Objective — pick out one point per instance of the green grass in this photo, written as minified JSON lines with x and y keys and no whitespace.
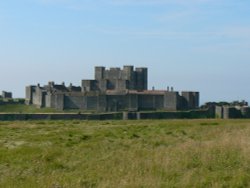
{"x":174,"y":153}
{"x":22,"y":108}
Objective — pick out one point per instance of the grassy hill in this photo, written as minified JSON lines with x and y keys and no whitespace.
{"x":22,"y":108}
{"x":176,"y":153}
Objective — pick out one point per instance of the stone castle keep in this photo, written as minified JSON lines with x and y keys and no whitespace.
{"x":112,"y":90}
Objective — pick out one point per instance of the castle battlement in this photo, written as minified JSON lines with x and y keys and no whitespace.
{"x":113,"y":89}
{"x":120,"y":79}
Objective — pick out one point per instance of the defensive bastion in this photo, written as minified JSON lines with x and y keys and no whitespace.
{"x":112,"y":90}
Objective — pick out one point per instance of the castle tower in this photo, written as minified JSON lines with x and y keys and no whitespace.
{"x":99,"y":73}
{"x":129,"y":74}
{"x":190,"y":99}
{"x":141,"y":78}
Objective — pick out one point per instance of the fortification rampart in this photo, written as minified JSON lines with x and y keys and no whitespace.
{"x":232,"y":112}
{"x":196,"y":114}
{"x":112,"y":90}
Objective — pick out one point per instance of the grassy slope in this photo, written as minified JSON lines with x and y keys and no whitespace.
{"x":177,"y":153}
{"x":21,"y":108}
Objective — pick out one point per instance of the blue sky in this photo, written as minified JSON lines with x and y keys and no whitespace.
{"x":201,"y":45}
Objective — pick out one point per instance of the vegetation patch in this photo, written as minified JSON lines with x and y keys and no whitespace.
{"x":151,"y":153}
{"x":209,"y":123}
{"x":22,"y":108}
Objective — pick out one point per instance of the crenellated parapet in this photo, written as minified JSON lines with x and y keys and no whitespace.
{"x":113,"y":89}
{"x":118,"y":79}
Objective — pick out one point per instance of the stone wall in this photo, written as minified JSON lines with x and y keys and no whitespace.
{"x":171,"y":100}
{"x":24,"y":117}
{"x":12,"y":101}
{"x":6,"y":95}
{"x":219,"y":112}
{"x":245,"y":111}
{"x":112,"y":90}
{"x":190,"y":100}
{"x":73,"y":102}
{"x":196,"y":114}
{"x":133,"y":102}
{"x":120,"y":79}
{"x":150,"y":102}
{"x":231,"y":112}
{"x":59,"y":101}
{"x":28,"y":95}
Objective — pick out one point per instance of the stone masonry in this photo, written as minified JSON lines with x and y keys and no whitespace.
{"x":112,"y":90}
{"x":6,"y":95}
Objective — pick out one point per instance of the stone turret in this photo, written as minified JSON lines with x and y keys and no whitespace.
{"x":141,"y":78}
{"x":6,"y":95}
{"x":114,"y":89}
{"x":117,"y":79}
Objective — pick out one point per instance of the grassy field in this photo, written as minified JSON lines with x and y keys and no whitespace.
{"x":22,"y":108}
{"x":173,"y":153}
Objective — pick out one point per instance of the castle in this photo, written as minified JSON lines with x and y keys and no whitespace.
{"x":6,"y":95}
{"x":112,"y":90}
